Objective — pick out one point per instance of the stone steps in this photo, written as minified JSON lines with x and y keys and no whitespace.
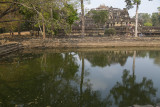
{"x":10,"y":48}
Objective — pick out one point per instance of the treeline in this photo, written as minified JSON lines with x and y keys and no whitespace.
{"x":43,"y":15}
{"x":150,"y":20}
{"x":50,"y":16}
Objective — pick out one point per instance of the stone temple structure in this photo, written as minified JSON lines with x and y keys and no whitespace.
{"x":116,"y":17}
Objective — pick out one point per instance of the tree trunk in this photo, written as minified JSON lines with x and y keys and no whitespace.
{"x":51,"y":22}
{"x":44,"y":62}
{"x":136,"y":26}
{"x":12,"y":33}
{"x":19,"y":29}
{"x":44,"y":33}
{"x":38,"y":33}
{"x":82,"y":18}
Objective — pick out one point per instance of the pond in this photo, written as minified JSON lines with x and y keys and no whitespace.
{"x":88,"y":78}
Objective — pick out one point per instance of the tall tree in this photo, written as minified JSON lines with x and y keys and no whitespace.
{"x":158,"y":10}
{"x":159,"y":14}
{"x":100,"y":17}
{"x":129,"y":5}
{"x":82,"y":18}
{"x":155,"y":19}
{"x":57,"y":14}
{"x":145,"y":18}
{"x":72,"y":15}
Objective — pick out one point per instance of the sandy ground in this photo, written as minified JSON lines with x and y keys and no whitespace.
{"x":15,"y":33}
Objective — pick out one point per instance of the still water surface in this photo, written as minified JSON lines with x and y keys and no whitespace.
{"x":84,"y":78}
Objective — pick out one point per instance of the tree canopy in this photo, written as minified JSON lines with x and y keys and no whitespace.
{"x":60,"y":14}
{"x":130,"y":3}
{"x":100,"y":17}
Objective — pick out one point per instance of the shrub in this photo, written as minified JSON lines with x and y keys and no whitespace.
{"x":147,"y":24}
{"x":110,"y":31}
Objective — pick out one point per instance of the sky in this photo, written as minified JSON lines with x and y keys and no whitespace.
{"x":145,"y":7}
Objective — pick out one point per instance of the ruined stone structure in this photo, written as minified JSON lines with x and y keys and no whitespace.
{"x":117,"y":17}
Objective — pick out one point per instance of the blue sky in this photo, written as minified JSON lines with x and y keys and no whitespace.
{"x":145,"y":7}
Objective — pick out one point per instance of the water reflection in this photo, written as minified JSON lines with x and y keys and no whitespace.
{"x":59,"y":79}
{"x":129,"y":92}
{"x":106,"y":58}
{"x":51,"y":85}
{"x":156,"y":56}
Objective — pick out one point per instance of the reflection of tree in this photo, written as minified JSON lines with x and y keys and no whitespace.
{"x":152,"y":54}
{"x":133,"y":67}
{"x":82,"y":79}
{"x":49,"y":83}
{"x":88,"y":97}
{"x":129,"y":92}
{"x":106,"y":58}
{"x":156,"y":56}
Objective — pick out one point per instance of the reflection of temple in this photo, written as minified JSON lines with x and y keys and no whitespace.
{"x":107,"y":58}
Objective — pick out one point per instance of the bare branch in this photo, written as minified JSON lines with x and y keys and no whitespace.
{"x":10,"y":9}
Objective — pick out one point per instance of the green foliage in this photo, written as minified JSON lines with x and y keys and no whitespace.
{"x":100,"y":17}
{"x":72,"y":14}
{"x":56,"y":15}
{"x":147,"y":24}
{"x":145,"y":18}
{"x":155,"y":19}
{"x":110,"y":31}
{"x":148,"y":20}
{"x":130,"y":3}
{"x":158,"y":10}
{"x":56,"y":71}
{"x":27,"y":13}
{"x":8,"y":13}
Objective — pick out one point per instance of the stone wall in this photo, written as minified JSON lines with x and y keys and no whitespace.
{"x":91,"y":31}
{"x":88,"y":42}
{"x":120,"y":30}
